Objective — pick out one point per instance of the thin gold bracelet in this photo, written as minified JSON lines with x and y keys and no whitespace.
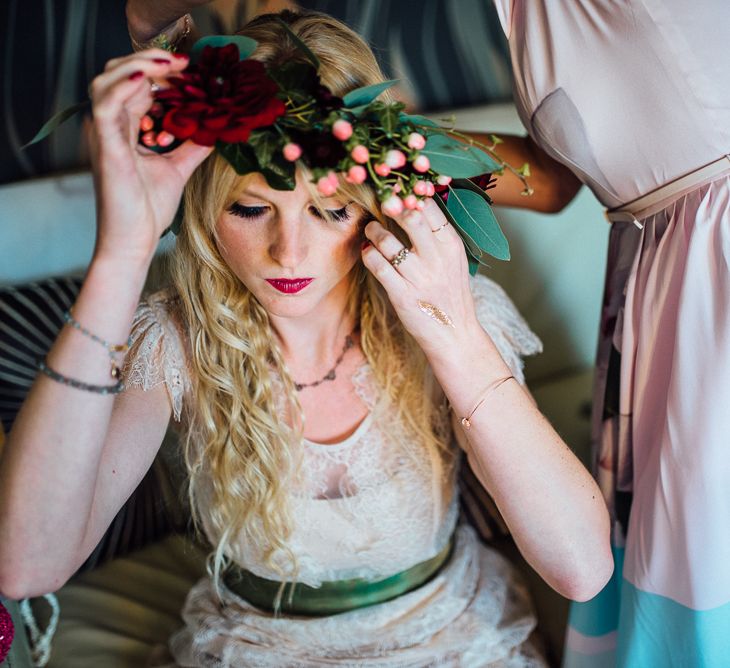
{"x":466,"y":421}
{"x":162,"y":40}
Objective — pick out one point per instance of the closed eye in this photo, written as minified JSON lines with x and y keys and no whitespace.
{"x":334,"y":215}
{"x":246,"y":211}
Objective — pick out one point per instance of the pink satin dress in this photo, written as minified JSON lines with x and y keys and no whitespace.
{"x":630,"y":95}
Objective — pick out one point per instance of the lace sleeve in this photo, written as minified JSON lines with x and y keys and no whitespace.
{"x":501,"y":320}
{"x":157,"y":354}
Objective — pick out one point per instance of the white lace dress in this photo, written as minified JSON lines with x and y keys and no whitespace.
{"x":385,"y":512}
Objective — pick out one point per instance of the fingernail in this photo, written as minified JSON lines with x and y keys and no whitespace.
{"x":136,"y":76}
{"x":149,"y":139}
{"x":364,"y":245}
{"x":161,"y":61}
{"x":180,"y":55}
{"x":164,"y":139}
{"x":146,"y":123}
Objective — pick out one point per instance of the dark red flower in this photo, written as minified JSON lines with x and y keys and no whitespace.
{"x":7,"y":632}
{"x":220,"y":98}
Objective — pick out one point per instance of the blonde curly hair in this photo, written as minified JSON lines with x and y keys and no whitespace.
{"x":240,"y":453}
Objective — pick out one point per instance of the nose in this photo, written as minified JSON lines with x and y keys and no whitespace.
{"x":288,"y":247}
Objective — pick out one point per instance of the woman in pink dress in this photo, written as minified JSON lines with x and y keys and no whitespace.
{"x":634,"y":98}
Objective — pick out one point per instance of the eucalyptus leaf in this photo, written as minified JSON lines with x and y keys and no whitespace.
{"x":366,"y":94}
{"x":246,"y":45}
{"x":418,"y":120}
{"x":470,"y":247}
{"x":456,"y":159}
{"x":57,"y":119}
{"x":300,"y":45}
{"x":476,"y":219}
{"x":280,"y":177}
{"x":466,"y":184}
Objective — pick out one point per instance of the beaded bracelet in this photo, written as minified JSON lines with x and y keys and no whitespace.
{"x":78,"y":384}
{"x":111,"y":348}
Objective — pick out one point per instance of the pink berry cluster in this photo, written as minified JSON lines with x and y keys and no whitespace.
{"x":400,"y":173}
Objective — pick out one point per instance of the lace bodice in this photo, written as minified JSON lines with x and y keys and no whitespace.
{"x":369,"y":506}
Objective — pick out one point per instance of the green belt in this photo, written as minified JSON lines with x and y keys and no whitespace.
{"x":335,"y":596}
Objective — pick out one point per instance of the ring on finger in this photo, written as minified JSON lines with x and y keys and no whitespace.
{"x":401,"y":255}
{"x":440,"y":227}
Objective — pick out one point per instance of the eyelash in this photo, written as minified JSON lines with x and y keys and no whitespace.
{"x":251,"y":212}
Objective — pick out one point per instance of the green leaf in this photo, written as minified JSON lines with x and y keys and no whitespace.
{"x":291,"y":76}
{"x":466,"y":184}
{"x":52,"y":123}
{"x":246,"y":45}
{"x":366,"y":94}
{"x":300,"y":45}
{"x":418,"y":120}
{"x":475,"y":218}
{"x":473,"y":265}
{"x":240,"y":156}
{"x":265,"y":143}
{"x":456,"y":159}
{"x":280,"y":174}
{"x":389,"y":119}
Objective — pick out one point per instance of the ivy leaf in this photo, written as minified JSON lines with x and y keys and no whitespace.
{"x":299,"y":44}
{"x":246,"y":45}
{"x":456,"y":159}
{"x":265,"y":144}
{"x":52,"y":123}
{"x":292,"y":76}
{"x":240,"y":156}
{"x":366,"y":94}
{"x":475,"y":218}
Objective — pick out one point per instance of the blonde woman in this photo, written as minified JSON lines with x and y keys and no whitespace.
{"x":326,"y":393}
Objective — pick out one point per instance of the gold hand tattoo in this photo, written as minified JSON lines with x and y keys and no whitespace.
{"x":436,"y":313}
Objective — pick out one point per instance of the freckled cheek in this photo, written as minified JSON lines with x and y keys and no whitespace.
{"x":237,"y":250}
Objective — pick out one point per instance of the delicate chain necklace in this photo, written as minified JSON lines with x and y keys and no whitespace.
{"x":330,"y":375}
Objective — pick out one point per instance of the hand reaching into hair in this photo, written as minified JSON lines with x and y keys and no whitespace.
{"x":137,"y":190}
{"x":428,"y":284}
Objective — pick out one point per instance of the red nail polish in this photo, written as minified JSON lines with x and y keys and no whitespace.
{"x":161,"y":61}
{"x":180,"y":55}
{"x":136,"y":76}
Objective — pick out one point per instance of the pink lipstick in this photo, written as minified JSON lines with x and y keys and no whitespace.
{"x":289,"y":285}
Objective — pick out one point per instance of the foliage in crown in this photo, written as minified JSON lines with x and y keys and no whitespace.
{"x":267,"y":120}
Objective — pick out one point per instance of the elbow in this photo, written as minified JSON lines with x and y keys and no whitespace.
{"x":15,"y":584}
{"x":583,"y":584}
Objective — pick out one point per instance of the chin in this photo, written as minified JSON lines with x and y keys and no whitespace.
{"x":290,"y":306}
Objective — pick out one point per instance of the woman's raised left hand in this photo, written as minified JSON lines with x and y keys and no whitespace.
{"x":433,"y":277}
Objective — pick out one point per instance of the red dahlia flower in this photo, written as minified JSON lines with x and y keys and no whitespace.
{"x":220,"y":98}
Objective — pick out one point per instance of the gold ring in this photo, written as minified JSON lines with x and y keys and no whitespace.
{"x":438,"y":229}
{"x":400,"y":256}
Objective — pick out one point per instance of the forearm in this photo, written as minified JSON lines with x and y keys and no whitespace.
{"x":51,"y":459}
{"x":550,"y":502}
{"x":554,"y":185}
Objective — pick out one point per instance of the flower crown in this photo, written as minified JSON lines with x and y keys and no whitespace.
{"x":268,"y":119}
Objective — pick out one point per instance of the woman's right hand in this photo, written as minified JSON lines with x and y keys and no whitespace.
{"x":137,"y":190}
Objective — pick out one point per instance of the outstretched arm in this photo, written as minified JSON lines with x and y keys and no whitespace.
{"x":554,"y":185}
{"x":551,"y":504}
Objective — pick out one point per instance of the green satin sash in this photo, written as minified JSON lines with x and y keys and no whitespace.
{"x":335,"y":596}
